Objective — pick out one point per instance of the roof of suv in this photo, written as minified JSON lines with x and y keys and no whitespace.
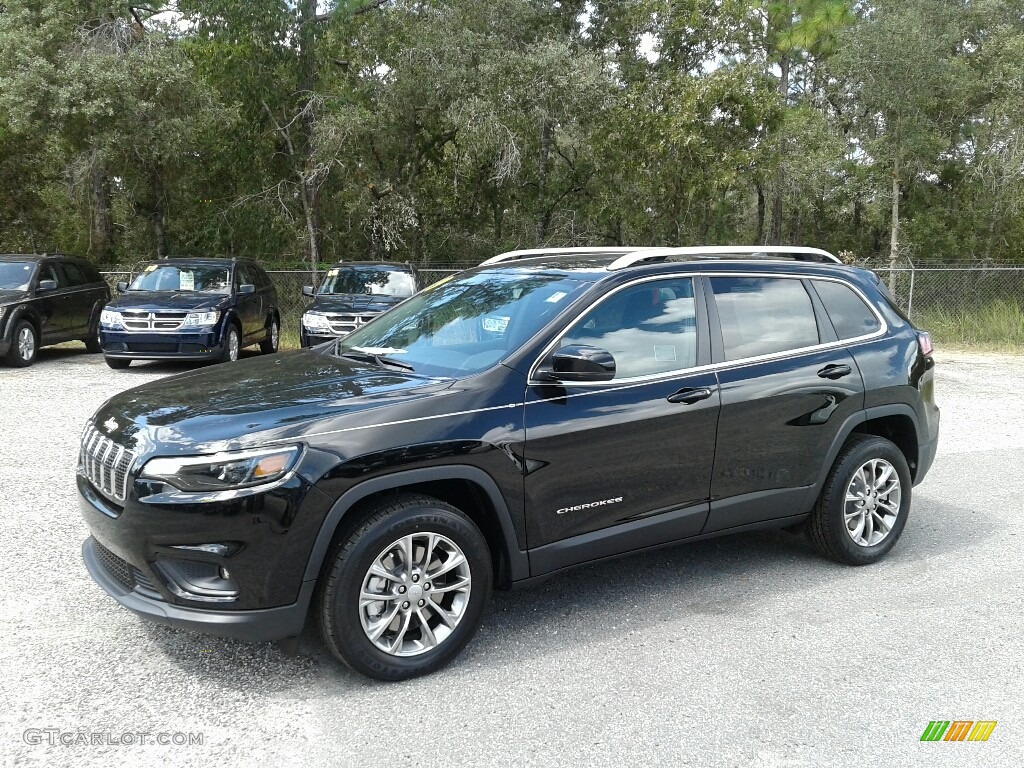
{"x":37,"y":256}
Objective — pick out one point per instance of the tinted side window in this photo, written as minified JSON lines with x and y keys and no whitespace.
{"x":92,"y":275}
{"x":849,"y":314}
{"x":242,"y":276}
{"x":649,"y":328}
{"x":763,"y":315}
{"x":74,"y":274}
{"x":49,"y":271}
{"x":260,"y":275}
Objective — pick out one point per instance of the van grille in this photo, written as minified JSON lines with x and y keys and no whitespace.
{"x":344,"y":324}
{"x":141,"y":320}
{"x":105,"y":463}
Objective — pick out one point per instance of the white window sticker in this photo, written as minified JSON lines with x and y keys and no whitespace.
{"x":665,"y":353}
{"x":556,"y":297}
{"x":186,"y":281}
{"x":332,"y":272}
{"x":495,"y":324}
{"x":150,"y":268}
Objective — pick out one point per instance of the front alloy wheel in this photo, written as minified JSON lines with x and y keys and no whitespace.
{"x":415,"y":594}
{"x":232,"y":344}
{"x":404,"y":592}
{"x":24,"y":347}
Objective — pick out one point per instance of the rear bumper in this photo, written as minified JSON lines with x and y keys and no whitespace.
{"x":203,"y":345}
{"x":254,"y":626}
{"x":926,"y":456}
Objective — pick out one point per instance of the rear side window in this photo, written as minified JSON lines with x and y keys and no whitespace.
{"x":850,"y":316}
{"x":74,"y":274}
{"x":90,"y":272}
{"x":763,"y":315}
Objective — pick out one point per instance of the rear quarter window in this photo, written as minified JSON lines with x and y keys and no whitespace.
{"x":850,"y":316}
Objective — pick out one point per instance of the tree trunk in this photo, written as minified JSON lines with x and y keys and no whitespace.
{"x":780,"y":174}
{"x":894,"y":238}
{"x":158,"y":214}
{"x":304,"y":162}
{"x":544,"y":216}
{"x":101,"y":221}
{"x":759,"y":237}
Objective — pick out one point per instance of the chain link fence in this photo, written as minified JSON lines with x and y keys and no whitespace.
{"x":943,"y":295}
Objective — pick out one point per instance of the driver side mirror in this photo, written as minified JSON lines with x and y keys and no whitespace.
{"x":307,"y":290}
{"x":122,"y":286}
{"x":579,"y":362}
{"x":247,"y":288}
{"x":47,"y":285}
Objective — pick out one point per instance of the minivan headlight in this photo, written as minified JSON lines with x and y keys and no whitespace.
{"x":200,"y":319}
{"x":226,"y":471}
{"x":314,"y":321}
{"x":110,"y":318}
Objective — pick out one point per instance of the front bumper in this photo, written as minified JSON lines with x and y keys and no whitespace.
{"x":255,"y":625}
{"x":198,"y":345}
{"x":307,"y":339}
{"x":148,"y":557}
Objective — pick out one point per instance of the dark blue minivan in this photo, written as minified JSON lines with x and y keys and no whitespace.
{"x":191,"y":309}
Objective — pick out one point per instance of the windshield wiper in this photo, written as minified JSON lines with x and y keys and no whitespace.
{"x":372,"y":355}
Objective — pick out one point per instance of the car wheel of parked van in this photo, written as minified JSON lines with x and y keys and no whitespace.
{"x":270,"y":344}
{"x":405,"y":591}
{"x":117,"y":363}
{"x":864,"y":504}
{"x":92,"y":341}
{"x":23,"y":351}
{"x":232,"y":344}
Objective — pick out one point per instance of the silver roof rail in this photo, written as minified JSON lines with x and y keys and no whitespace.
{"x":577,"y":251}
{"x":660,"y":254}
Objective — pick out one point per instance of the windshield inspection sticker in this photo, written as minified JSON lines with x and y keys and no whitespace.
{"x":665,"y":353}
{"x":150,"y":268}
{"x":186,"y":281}
{"x":332,"y":272}
{"x":556,"y":297}
{"x":495,"y":324}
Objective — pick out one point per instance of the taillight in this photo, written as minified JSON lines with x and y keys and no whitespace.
{"x":924,"y":341}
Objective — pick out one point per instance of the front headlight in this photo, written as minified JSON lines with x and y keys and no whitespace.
{"x":110,"y":318}
{"x":314,"y":321}
{"x":227,"y":471}
{"x":200,"y":319}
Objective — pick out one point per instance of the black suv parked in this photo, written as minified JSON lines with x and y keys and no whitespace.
{"x":47,"y":300}
{"x":352,"y":294}
{"x":523,"y":417}
{"x":191,"y":309}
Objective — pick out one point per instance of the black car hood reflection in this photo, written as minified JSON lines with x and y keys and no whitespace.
{"x":10,"y":297}
{"x":252,"y":401}
{"x":158,"y":300}
{"x":355,"y":303}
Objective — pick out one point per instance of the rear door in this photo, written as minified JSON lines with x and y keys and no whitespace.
{"x":788,"y":385}
{"x":248,"y":305}
{"x":620,"y":465}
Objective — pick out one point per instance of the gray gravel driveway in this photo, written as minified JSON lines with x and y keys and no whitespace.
{"x":741,"y":651}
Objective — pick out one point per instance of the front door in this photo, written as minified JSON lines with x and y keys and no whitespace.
{"x":249,"y":305}
{"x":625,"y":464}
{"x":55,"y":314}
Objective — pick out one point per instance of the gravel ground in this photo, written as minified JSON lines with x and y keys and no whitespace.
{"x":741,"y":651}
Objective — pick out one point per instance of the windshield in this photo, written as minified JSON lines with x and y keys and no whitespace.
{"x":464,"y":325}
{"x":202,"y":278}
{"x":373,"y":280}
{"x":16,"y":275}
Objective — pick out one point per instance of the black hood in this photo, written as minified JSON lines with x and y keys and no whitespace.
{"x":157,"y":300}
{"x":252,"y":401}
{"x":355,"y":303}
{"x":11,"y":297}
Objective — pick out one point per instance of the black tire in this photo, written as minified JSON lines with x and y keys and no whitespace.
{"x":827,"y":525}
{"x":117,"y":363}
{"x":16,"y":356}
{"x":232,"y":351}
{"x":92,"y":341}
{"x":348,"y":565}
{"x":269,"y":345}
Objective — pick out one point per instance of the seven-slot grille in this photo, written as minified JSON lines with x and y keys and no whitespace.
{"x":142,"y":320}
{"x":348,"y":323}
{"x":105,"y":463}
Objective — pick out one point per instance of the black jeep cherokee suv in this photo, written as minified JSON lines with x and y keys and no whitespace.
{"x":351,"y":295}
{"x":523,"y":417}
{"x":191,"y":309}
{"x":46,"y":300}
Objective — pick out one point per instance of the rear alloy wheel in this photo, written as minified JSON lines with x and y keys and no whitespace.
{"x":407,"y":590}
{"x":864,"y":505}
{"x":270,"y":344}
{"x":232,"y":344}
{"x":24,"y":345}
